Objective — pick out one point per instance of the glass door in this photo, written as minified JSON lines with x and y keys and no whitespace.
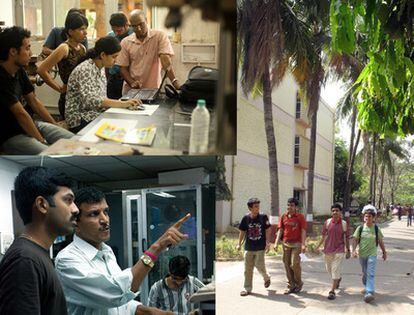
{"x":161,"y":208}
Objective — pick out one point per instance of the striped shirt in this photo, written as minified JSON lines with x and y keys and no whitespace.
{"x":162,"y":297}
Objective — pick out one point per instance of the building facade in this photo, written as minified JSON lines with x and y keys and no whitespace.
{"x":247,"y":173}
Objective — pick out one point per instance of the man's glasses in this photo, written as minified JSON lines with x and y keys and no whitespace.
{"x":140,"y":25}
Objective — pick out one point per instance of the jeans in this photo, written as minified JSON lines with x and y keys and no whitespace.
{"x":26,"y":145}
{"x":368,"y":265}
{"x":409,"y":220}
{"x":254,"y":259}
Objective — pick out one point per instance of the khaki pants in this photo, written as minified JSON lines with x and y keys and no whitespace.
{"x":254,"y":259}
{"x":291,"y":260}
{"x":333,"y":263}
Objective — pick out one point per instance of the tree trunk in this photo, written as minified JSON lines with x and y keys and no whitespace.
{"x":381,"y":185}
{"x":371,"y":178}
{"x":311,"y":171}
{"x":272,"y":152}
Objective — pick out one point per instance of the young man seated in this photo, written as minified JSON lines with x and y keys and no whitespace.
{"x":20,"y":134}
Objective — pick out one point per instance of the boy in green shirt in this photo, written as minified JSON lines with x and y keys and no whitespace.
{"x":368,"y":239}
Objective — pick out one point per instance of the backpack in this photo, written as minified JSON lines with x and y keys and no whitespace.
{"x":201,"y":84}
{"x":360,"y":233}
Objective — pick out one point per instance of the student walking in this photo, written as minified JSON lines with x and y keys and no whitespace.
{"x":409,"y":215}
{"x":367,"y":237}
{"x":335,"y":237}
{"x":254,"y":230}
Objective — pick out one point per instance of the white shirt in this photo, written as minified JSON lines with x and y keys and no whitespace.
{"x":93,"y":282}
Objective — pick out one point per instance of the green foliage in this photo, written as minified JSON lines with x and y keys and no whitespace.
{"x":226,"y":249}
{"x":385,"y":88}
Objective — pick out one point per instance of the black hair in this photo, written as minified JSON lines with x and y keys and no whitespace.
{"x":88,"y":195}
{"x":179,"y":266}
{"x":336,"y":205}
{"x":252,"y":201}
{"x":11,"y":37}
{"x":36,"y":181}
{"x":73,"y":21}
{"x":293,"y":200}
{"x":108,"y":45}
{"x":118,"y":19}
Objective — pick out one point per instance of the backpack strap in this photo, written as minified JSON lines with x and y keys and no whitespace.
{"x":376,"y":235}
{"x":360,"y":232}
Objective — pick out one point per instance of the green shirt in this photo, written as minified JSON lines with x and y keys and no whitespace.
{"x":367,"y":246}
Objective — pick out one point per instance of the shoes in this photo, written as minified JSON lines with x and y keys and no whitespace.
{"x":298,"y":288}
{"x":267,"y":283}
{"x":339,"y":282}
{"x":289,"y":291}
{"x":331,"y":295}
{"x":368,"y":298}
{"x":244,"y":293}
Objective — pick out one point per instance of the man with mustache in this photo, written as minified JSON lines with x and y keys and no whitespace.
{"x":91,"y":278}
{"x":29,"y":284}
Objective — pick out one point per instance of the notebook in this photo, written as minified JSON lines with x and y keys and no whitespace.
{"x":145,"y":95}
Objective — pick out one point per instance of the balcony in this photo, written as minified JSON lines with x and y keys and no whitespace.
{"x":301,"y":152}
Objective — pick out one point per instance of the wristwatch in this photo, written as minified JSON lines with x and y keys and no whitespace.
{"x":147,"y":260}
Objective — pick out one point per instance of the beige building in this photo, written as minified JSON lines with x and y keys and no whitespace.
{"x":247,"y":173}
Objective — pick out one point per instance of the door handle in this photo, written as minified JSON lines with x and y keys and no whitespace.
{"x":144,"y":245}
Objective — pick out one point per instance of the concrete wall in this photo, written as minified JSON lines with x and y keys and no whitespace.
{"x":8,"y":172}
{"x":7,"y":12}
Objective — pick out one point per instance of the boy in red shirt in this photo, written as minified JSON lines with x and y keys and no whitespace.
{"x":292,"y":229}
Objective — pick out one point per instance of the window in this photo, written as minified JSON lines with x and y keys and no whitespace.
{"x":32,"y":16}
{"x":298,"y":106}
{"x":297,"y":143}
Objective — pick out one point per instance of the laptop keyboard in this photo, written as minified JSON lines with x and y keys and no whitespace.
{"x":144,"y":95}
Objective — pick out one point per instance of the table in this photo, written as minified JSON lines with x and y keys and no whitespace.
{"x":173,"y":122}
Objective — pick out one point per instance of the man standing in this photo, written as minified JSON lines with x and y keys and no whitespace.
{"x":255,"y":231}
{"x":29,"y":284}
{"x":409,"y":215}
{"x":20,"y":134}
{"x":120,"y":30}
{"x":335,"y":237}
{"x":173,"y":292}
{"x":143,"y":55}
{"x":292,"y":229}
{"x":91,"y":278}
{"x":367,"y":237}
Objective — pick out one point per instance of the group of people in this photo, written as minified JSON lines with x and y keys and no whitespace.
{"x":403,"y":210}
{"x":255,"y":233}
{"x":86,"y":278}
{"x":132,"y":54}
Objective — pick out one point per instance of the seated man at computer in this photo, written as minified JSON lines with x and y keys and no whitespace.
{"x":143,"y":55}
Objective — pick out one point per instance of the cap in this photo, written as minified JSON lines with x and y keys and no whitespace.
{"x":369,"y":208}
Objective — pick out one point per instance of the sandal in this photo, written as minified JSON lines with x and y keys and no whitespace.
{"x":244,"y":293}
{"x":267,"y":283}
{"x":289,"y":291}
{"x":331,"y":295}
{"x":298,"y":288}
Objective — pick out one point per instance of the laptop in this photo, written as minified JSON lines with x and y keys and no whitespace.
{"x":145,"y":95}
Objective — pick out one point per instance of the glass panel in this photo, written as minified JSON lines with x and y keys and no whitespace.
{"x":163,"y":209}
{"x":134,"y":229}
{"x":32,"y":16}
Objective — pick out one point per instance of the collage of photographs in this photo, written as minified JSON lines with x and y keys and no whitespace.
{"x":174,"y":157}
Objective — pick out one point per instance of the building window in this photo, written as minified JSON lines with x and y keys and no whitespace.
{"x":297,"y":143}
{"x":299,"y":195}
{"x":298,"y":106}
{"x":32,"y":16}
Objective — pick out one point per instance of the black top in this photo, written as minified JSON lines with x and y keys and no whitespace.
{"x":28,"y":281}
{"x":255,"y":231}
{"x":11,"y":91}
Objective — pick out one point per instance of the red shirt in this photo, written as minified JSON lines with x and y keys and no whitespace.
{"x":334,"y":243}
{"x":292,"y":227}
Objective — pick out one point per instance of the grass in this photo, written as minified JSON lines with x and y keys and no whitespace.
{"x":226,"y":243}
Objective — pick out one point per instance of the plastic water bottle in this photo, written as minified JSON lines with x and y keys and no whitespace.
{"x":200,"y":125}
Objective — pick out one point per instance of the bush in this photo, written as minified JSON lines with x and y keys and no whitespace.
{"x":226,"y":249}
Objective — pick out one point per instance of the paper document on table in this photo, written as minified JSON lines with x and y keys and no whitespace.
{"x":124,"y":123}
{"x":148,"y":110}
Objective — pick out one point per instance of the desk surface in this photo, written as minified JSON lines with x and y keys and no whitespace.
{"x":173,"y":123}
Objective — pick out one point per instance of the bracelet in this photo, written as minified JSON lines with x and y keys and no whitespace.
{"x":151,"y":255}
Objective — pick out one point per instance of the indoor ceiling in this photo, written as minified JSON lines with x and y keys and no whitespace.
{"x":116,"y":168}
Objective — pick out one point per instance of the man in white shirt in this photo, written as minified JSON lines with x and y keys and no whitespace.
{"x":92,"y":281}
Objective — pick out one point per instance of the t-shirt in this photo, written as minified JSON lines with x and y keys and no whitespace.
{"x":367,"y":244}
{"x":292,"y":227}
{"x":54,"y":39}
{"x":335,"y":242}
{"x":29,"y":283}
{"x":11,"y":91}
{"x":255,"y":229}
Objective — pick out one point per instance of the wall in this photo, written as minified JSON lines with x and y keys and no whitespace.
{"x":6,"y":12}
{"x":8,"y":172}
